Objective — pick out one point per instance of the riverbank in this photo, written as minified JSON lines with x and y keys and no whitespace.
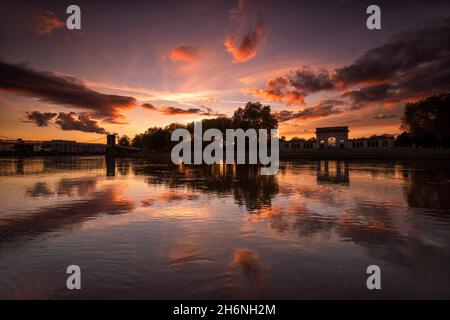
{"x":398,"y":153}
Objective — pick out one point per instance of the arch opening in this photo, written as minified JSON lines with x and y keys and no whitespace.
{"x":332,"y":142}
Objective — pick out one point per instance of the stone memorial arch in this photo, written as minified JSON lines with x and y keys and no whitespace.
{"x":332,"y":137}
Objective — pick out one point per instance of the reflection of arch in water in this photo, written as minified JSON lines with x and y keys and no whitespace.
{"x":333,"y":172}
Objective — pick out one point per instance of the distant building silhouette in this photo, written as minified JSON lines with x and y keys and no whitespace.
{"x":29,"y":147}
{"x":57,"y":147}
{"x":337,"y":138}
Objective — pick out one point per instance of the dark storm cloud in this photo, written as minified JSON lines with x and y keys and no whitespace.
{"x":400,"y":56}
{"x":369,"y":94}
{"x":411,"y":65}
{"x":41,"y":119}
{"x":323,"y":109}
{"x":60,"y":89}
{"x":307,"y":81}
{"x":430,"y":78}
{"x":70,"y":121}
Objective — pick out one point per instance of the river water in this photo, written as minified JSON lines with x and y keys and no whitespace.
{"x":142,"y":230}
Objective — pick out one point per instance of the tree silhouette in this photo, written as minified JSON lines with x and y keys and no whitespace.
{"x":427,"y":121}
{"x":124,"y":141}
{"x":253,"y":115}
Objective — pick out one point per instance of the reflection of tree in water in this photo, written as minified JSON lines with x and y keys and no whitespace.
{"x":428,"y":184}
{"x":248,"y":187}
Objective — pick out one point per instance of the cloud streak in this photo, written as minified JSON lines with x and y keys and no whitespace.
{"x":148,"y":106}
{"x":62,"y":90}
{"x":382,"y":116}
{"x":323,"y":109}
{"x":175,"y":111}
{"x":391,"y":73}
{"x":185,"y":53}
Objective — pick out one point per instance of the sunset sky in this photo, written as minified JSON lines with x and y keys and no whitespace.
{"x":136,"y":64}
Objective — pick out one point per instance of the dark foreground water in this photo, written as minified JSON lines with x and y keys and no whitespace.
{"x":140,"y":230}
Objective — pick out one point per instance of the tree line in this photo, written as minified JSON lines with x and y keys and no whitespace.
{"x":253,"y":115}
{"x":425,"y":123}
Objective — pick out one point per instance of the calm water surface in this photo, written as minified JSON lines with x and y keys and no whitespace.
{"x":140,"y":230}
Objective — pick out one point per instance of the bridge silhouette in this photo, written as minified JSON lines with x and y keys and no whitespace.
{"x":10,"y":146}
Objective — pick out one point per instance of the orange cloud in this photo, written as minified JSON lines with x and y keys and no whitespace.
{"x":290,"y":97}
{"x":295,"y":86}
{"x":185,"y":53}
{"x":44,"y":22}
{"x":278,"y":90}
{"x":244,"y":39}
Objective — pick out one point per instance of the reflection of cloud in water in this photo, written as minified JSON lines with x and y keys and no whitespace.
{"x":63,"y":216}
{"x":31,"y":290}
{"x":384,"y":234}
{"x":246,"y":262}
{"x":182,"y":254}
{"x":147,"y":202}
{"x":194,"y":222}
{"x":169,"y":196}
{"x":178,"y":196}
